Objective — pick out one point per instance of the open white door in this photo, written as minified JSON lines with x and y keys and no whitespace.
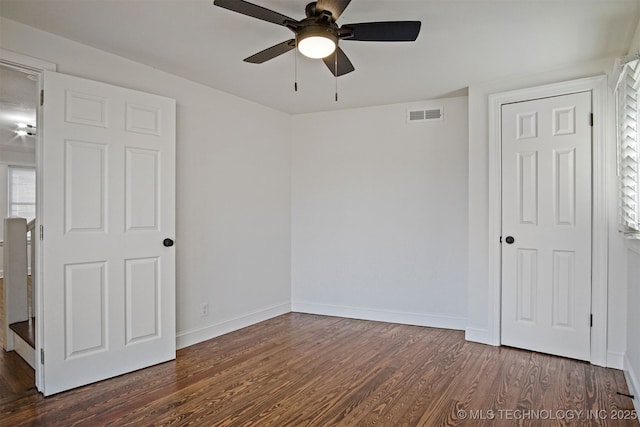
{"x":109,"y":204}
{"x":546,"y":225}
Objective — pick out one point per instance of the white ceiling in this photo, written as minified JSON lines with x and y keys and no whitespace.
{"x":18,"y":98}
{"x":461,"y":42}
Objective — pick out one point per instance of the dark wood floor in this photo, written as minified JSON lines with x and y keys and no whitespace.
{"x":305,"y":370}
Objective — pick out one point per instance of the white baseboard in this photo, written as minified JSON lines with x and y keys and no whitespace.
{"x":480,"y":335}
{"x":195,"y":336}
{"x":615,"y":359}
{"x":406,"y":318}
{"x":632,"y":383}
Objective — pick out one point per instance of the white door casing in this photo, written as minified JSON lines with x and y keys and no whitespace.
{"x":38,"y":66}
{"x":546,"y":208}
{"x":108,"y":194}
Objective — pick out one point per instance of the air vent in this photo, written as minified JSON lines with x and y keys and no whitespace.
{"x":420,"y":116}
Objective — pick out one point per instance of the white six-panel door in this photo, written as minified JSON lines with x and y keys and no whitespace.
{"x":109,"y":202}
{"x":546,"y":225}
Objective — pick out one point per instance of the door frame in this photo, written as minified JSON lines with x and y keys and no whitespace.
{"x":37,"y":66}
{"x":599,"y":252}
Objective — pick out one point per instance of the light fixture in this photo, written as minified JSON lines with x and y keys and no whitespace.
{"x":25,"y":129}
{"x":317,"y":41}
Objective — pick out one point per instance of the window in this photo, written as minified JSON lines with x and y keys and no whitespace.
{"x":628,"y":148}
{"x":22,"y":192}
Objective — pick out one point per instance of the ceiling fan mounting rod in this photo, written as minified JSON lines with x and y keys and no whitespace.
{"x":311,"y":11}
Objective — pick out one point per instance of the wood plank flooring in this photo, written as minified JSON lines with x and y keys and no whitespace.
{"x":306,"y":370}
{"x":16,"y":378}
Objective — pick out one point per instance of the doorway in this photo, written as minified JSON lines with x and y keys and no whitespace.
{"x":18,"y":131}
{"x":546,"y":225}
{"x":110,"y":198}
{"x":598,"y":88}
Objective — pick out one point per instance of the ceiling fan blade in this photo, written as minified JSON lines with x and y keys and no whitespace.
{"x":271,"y":52}
{"x":344,"y":65}
{"x":392,"y":31}
{"x":253,"y":10}
{"x":336,"y":7}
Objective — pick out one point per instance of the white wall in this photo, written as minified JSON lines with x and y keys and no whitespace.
{"x":379,"y":214}
{"x":233,"y":187}
{"x":480,"y":308}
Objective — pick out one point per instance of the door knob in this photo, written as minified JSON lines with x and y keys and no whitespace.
{"x":509,"y":239}
{"x":167,"y":242}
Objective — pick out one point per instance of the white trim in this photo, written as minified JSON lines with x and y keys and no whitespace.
{"x":633,"y":245}
{"x":598,"y":88}
{"x":615,"y":359}
{"x":38,"y":66}
{"x":480,"y":335}
{"x":400,"y":317}
{"x":24,"y":61}
{"x":632,"y":382}
{"x":195,"y":336}
{"x":13,"y":149}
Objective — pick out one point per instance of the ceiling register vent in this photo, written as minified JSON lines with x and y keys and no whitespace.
{"x":421,"y":116}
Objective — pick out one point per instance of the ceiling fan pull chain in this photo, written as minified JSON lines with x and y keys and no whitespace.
{"x":335,"y":64}
{"x":295,"y":66}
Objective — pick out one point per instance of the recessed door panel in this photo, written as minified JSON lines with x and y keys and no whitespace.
{"x":86,"y":109}
{"x":142,"y":304}
{"x":564,"y":275}
{"x":565,"y":187}
{"x":527,"y":285}
{"x":143,"y":119}
{"x":142,"y":186}
{"x":564,"y":121}
{"x":85,"y":308}
{"x":85,"y":180}
{"x":527,"y":125}
{"x":528,"y":187}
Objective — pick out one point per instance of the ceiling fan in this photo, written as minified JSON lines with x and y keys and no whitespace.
{"x":317,"y":35}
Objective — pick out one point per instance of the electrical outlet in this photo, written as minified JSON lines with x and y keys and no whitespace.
{"x":204,"y":309}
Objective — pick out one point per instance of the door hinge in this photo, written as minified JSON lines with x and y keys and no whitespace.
{"x":42,"y":356}
{"x":41,"y":97}
{"x":591,"y":320}
{"x":591,"y":119}
{"x":42,"y":232}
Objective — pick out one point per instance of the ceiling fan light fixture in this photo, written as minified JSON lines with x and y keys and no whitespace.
{"x":317,"y":41}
